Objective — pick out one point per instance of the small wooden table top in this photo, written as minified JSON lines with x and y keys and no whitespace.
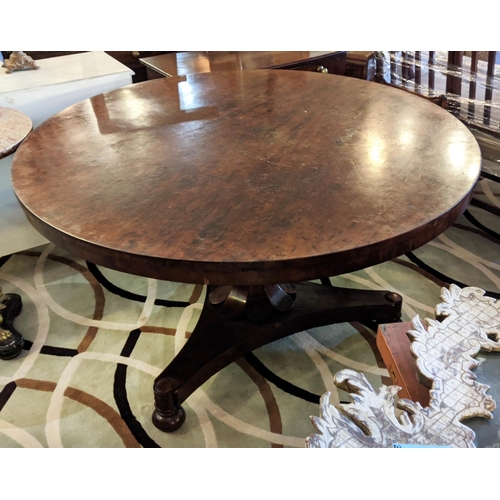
{"x":254,"y":177}
{"x":14,"y":127}
{"x":185,"y":63}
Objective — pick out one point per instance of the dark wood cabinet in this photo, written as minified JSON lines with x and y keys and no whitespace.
{"x":184,"y":63}
{"x":334,"y":63}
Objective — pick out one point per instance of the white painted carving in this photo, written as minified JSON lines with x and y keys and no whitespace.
{"x":444,"y":355}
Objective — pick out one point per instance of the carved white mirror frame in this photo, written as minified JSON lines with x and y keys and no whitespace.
{"x":444,"y":355}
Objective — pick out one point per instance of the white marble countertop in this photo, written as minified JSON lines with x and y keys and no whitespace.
{"x":78,"y":67}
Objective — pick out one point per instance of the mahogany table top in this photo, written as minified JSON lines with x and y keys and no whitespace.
{"x":246,"y":177}
{"x":14,"y":127}
{"x":185,"y":63}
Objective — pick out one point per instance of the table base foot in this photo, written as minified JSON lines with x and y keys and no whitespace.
{"x":217,"y":341}
{"x":11,"y":341}
{"x":169,"y":422}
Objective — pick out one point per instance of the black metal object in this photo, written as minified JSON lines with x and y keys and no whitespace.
{"x":11,"y":341}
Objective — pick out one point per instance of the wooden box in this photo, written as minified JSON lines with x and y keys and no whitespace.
{"x":394,"y":347}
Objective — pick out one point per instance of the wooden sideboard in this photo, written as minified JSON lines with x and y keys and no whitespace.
{"x":183,"y":63}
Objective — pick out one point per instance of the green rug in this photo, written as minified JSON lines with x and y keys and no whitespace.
{"x":96,"y":339}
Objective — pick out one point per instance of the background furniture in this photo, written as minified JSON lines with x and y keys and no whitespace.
{"x":60,"y":82}
{"x":358,"y":64}
{"x":183,"y":63}
{"x":361,"y":64}
{"x":126,"y":57}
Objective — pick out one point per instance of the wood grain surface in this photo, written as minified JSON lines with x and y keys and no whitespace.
{"x":246,"y":177}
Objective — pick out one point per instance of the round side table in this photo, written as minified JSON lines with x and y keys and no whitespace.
{"x":14,"y":127}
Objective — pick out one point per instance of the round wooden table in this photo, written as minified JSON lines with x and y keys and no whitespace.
{"x":14,"y":128}
{"x":248,"y":181}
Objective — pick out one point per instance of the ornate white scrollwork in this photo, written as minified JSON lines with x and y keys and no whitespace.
{"x":444,"y":353}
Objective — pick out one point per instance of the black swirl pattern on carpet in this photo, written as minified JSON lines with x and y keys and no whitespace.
{"x":120,"y":395}
{"x":111,"y":287}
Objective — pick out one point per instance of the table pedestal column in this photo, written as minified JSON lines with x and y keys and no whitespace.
{"x":263,"y":314}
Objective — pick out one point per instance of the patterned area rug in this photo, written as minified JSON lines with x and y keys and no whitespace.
{"x":96,"y":339}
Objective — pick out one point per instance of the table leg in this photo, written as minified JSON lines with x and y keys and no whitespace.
{"x":217,"y":340}
{"x":11,"y":341}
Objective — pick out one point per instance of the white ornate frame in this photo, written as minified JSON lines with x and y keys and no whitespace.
{"x":444,"y":355}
